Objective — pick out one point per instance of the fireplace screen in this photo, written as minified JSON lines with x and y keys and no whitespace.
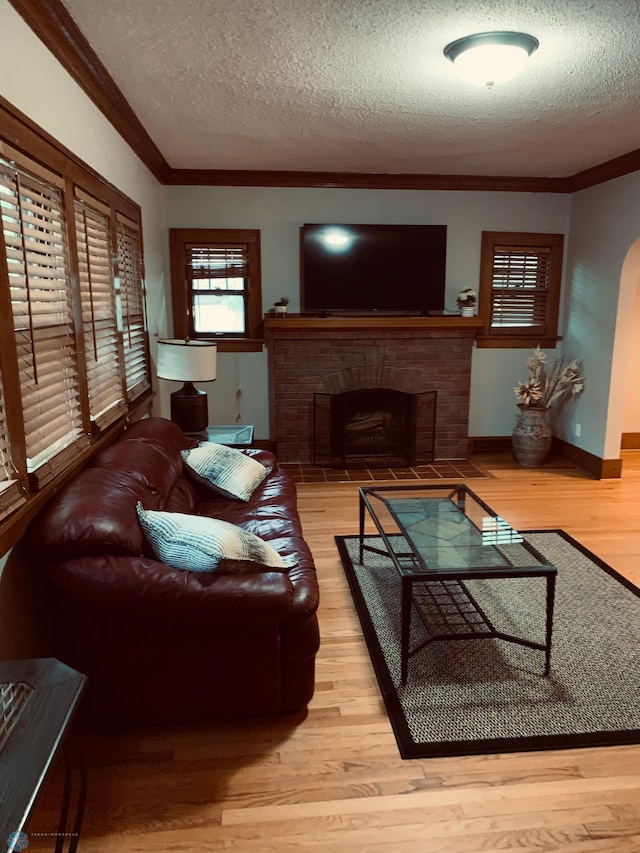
{"x":373,"y":427}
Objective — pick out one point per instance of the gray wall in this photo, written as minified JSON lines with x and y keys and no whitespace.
{"x":279,"y":213}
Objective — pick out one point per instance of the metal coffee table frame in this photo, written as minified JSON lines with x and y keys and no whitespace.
{"x":414,"y":568}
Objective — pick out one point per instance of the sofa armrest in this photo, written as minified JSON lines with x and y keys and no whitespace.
{"x":303,"y":576}
{"x":153,"y":591}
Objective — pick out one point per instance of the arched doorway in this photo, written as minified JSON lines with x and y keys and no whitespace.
{"x":624,"y":399}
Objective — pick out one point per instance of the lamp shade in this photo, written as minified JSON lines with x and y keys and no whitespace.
{"x":186,"y":360}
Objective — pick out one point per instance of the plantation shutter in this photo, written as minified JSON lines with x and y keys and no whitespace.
{"x":99,"y":318}
{"x":131,"y":295}
{"x":520,"y":283}
{"x":36,"y":252}
{"x":11,"y":493}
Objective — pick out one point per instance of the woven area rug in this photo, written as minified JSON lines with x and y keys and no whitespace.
{"x":487,"y":695}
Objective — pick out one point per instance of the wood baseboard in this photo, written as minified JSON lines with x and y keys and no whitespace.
{"x":488,"y":444}
{"x":630,"y":441}
{"x":602,"y":469}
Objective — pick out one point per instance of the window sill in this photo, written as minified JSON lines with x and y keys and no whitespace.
{"x":14,"y":526}
{"x":515,"y":342}
{"x":238,"y":344}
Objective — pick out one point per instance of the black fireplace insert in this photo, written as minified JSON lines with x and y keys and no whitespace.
{"x":374,"y":427}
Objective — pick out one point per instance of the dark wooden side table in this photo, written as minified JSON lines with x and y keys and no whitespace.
{"x":38,"y":699}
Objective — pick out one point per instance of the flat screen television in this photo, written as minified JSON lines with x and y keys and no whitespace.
{"x":391,"y":269}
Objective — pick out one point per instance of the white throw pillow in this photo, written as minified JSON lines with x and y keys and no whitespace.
{"x":201,"y":544}
{"x":226,"y":470}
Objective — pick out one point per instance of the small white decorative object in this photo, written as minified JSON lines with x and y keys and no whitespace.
{"x":466,"y":302}
{"x":280,"y":307}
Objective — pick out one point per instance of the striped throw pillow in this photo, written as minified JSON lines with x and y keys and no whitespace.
{"x":225,"y":470}
{"x":200,"y":544}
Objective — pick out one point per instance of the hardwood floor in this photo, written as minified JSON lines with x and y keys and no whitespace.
{"x":332,"y":780}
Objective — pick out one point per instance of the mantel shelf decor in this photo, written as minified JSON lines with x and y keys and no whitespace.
{"x":466,"y":302}
{"x":532,"y":435}
{"x":280,"y":307}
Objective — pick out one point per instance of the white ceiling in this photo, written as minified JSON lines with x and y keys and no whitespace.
{"x":363,"y":85}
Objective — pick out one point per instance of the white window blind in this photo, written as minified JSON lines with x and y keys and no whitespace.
{"x":520,"y":284}
{"x":131,"y":295}
{"x":36,"y":252}
{"x":11,"y":493}
{"x":99,"y":319}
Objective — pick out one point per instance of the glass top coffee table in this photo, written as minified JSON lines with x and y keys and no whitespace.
{"x":442,"y":536}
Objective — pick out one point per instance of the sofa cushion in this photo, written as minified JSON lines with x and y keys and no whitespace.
{"x":182,"y":498}
{"x":156,"y":465}
{"x":201,"y":544}
{"x":225,"y":470}
{"x":161,"y":431}
{"x":94,"y":514}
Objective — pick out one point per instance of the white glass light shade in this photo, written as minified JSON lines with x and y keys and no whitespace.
{"x":488,"y":58}
{"x":488,"y":64}
{"x":187,"y":361}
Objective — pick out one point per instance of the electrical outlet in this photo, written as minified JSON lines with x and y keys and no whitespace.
{"x":578,"y":430}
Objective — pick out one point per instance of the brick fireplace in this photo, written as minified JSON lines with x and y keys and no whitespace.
{"x":309,"y":355}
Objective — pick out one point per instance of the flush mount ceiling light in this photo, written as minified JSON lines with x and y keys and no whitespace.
{"x":489,"y":58}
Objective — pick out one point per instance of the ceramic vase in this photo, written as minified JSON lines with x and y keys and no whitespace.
{"x":467,"y":310}
{"x":531,"y":438}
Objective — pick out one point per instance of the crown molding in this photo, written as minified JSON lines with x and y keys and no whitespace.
{"x":25,"y":135}
{"x":57,"y":30}
{"x":615,"y":168}
{"x":358,"y":180}
{"x":55,"y":27}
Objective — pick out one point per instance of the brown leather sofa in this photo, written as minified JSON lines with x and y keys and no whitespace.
{"x":161,"y":645}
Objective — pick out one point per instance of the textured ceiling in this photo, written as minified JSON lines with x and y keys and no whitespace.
{"x":363,"y":85}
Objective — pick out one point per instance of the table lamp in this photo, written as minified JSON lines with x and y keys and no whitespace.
{"x":188,"y":361}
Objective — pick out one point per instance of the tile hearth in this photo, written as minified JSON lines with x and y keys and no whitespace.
{"x":442,"y":469}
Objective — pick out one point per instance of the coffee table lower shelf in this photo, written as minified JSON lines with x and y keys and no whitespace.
{"x":456,"y":609}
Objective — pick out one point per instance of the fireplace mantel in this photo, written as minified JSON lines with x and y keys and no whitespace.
{"x":305,"y":322}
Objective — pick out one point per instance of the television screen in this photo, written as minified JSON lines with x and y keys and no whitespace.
{"x":394,"y":269}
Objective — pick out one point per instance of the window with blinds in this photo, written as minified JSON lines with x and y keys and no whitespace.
{"x":217,"y":278}
{"x":35,"y":245}
{"x":130,"y":296}
{"x":520,"y":286}
{"x":74,"y":360}
{"x":216,"y":286}
{"x":520,"y":281}
{"x":102,"y":347}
